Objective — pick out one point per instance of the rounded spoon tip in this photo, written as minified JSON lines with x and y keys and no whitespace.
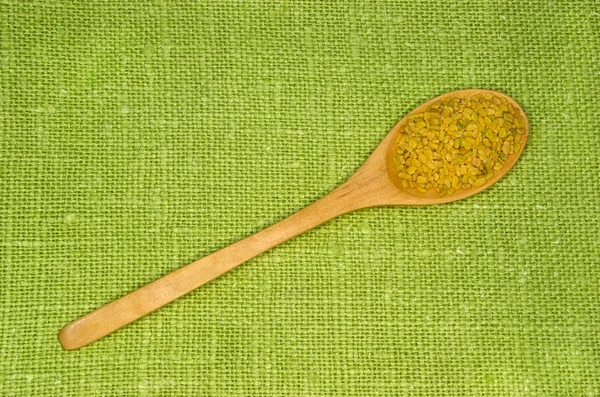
{"x":410,"y":196}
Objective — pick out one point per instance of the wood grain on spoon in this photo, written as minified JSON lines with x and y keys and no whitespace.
{"x":375,"y":183}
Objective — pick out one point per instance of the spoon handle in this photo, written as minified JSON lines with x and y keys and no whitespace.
{"x":137,"y":304}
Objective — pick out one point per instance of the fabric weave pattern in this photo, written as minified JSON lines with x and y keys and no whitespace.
{"x":136,"y":137}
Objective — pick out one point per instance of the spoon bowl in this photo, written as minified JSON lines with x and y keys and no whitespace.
{"x":394,"y":194}
{"x":375,"y":183}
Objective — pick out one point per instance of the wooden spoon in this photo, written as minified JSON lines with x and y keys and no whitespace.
{"x":375,"y":183}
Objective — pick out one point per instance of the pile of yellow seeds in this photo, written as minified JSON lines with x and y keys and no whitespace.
{"x":457,"y":143}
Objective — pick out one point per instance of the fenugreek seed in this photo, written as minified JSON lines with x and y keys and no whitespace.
{"x":520,"y":122}
{"x":454,"y":181}
{"x":421,"y":179}
{"x":518,"y":138}
{"x":488,"y":163}
{"x":480,"y":182}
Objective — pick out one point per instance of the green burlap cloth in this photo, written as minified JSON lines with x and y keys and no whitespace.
{"x":136,"y":138}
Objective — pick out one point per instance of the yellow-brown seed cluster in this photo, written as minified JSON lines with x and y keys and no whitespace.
{"x":457,"y":143}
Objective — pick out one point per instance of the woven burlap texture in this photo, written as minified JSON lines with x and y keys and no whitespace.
{"x":136,"y":137}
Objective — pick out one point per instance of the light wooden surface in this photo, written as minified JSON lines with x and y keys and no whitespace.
{"x":374,"y":184}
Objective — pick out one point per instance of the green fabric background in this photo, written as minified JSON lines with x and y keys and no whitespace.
{"x":136,"y":138}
